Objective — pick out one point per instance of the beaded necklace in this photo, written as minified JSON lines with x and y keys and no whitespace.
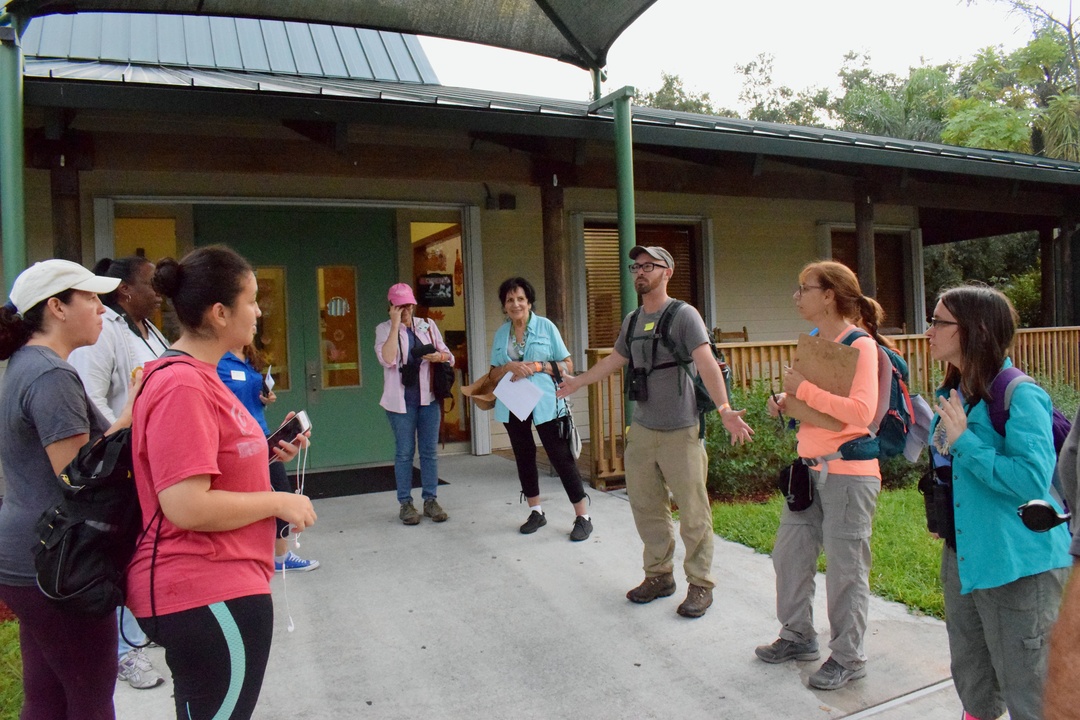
{"x":520,"y":346}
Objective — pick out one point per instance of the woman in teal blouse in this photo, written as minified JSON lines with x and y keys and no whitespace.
{"x":1002,"y":582}
{"x":530,"y":347}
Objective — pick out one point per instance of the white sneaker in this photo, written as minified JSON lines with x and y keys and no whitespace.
{"x":137,"y":670}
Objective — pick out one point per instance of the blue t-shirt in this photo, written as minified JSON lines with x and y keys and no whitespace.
{"x":246,"y":383}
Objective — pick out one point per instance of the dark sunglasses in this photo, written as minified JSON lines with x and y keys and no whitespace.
{"x":1040,"y":516}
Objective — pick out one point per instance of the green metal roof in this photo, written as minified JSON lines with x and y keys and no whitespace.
{"x":231,"y":44}
{"x":579,"y":32}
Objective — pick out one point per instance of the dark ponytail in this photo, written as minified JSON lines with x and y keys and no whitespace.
{"x":16,"y":329}
{"x":203,"y":278}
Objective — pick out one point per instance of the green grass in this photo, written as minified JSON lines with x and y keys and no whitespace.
{"x":906,"y":558}
{"x":11,"y":694}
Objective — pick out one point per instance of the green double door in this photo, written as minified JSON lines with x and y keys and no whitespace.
{"x":323,"y":276}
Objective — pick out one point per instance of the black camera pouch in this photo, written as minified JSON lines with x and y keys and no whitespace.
{"x":410,"y":375}
{"x":936,"y":488}
{"x":639,"y":385}
{"x":796,"y":486}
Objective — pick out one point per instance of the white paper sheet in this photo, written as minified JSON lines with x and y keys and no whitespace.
{"x":520,"y":397}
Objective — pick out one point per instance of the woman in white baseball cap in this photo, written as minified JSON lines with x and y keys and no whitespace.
{"x":69,"y":660}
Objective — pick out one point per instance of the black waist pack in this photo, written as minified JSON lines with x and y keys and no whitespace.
{"x":795,"y":485}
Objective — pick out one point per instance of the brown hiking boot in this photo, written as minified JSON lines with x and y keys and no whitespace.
{"x":408,"y":514}
{"x":698,"y":599}
{"x":654,"y":587}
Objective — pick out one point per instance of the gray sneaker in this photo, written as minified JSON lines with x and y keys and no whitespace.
{"x":135,"y":669}
{"x":833,"y":676}
{"x":408,"y":514}
{"x":433,"y":510}
{"x":783,"y":650}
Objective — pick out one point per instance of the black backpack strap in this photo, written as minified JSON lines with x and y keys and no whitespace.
{"x":630,"y":338}
{"x":663,"y":333}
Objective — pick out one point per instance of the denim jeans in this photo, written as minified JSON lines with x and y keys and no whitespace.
{"x":418,"y":421}
{"x":131,"y":629}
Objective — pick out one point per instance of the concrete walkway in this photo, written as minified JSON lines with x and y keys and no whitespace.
{"x":470,"y":619}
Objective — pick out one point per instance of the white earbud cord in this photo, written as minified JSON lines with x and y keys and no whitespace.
{"x":301,"y":472}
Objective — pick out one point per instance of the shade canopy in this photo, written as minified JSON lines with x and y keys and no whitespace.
{"x":579,"y":32}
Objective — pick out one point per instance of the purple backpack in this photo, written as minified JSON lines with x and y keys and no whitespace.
{"x":1001,"y":391}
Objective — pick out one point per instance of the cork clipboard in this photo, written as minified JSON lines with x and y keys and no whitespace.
{"x":828,"y":365}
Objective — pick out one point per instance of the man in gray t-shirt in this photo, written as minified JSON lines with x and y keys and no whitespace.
{"x":663,"y":450}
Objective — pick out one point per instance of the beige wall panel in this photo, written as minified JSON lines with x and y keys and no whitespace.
{"x":39,"y":231}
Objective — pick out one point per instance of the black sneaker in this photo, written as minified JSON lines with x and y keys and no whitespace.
{"x":536,"y":521}
{"x":582,"y":529}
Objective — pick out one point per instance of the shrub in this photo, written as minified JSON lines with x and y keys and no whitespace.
{"x":748,"y":471}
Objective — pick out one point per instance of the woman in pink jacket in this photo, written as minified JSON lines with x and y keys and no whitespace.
{"x":845,"y":491}
{"x":406,"y":346}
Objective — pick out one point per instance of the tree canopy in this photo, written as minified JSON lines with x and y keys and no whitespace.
{"x":1024,"y":101}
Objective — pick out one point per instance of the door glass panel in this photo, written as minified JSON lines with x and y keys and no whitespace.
{"x":272,"y":336}
{"x":338,"y":330}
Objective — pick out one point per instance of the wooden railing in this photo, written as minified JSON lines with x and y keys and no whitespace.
{"x":1050,"y":353}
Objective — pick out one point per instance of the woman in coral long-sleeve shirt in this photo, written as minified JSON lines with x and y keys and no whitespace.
{"x":845,"y":491}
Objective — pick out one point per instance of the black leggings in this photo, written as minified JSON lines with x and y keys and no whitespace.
{"x":557,"y":449}
{"x":217,"y":654}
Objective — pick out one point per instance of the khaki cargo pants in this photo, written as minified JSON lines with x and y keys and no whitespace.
{"x":659,"y":461}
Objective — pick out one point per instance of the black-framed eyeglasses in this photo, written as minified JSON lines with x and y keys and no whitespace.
{"x":938,"y":322}
{"x":804,"y":288}
{"x":647,"y":267}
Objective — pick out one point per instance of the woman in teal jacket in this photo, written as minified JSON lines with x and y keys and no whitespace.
{"x":1002,"y":582}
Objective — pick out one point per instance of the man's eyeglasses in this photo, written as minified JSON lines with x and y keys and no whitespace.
{"x":938,"y":322}
{"x":805,"y":288}
{"x":646,"y":267}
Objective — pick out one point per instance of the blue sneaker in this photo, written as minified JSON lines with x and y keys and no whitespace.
{"x":292,"y":563}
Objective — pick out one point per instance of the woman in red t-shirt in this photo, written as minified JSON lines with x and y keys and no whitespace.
{"x":200,"y":579}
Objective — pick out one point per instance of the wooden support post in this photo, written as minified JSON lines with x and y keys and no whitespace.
{"x":864,"y":237}
{"x":556,"y":250}
{"x":1048,"y":265}
{"x":66,"y":213}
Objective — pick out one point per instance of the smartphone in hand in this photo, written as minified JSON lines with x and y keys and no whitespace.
{"x":296,"y":425}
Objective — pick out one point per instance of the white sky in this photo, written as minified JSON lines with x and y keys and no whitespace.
{"x":702,"y":40}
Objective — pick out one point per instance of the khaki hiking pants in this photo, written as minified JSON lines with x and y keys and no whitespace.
{"x":839,"y":521}
{"x":659,"y":461}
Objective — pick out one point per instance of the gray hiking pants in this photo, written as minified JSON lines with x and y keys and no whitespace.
{"x":999,"y":639}
{"x":839,"y":521}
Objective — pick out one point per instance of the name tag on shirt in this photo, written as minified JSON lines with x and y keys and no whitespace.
{"x":649,"y":326}
{"x":239,"y":375}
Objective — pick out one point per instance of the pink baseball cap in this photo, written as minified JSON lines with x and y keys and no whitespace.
{"x":401,"y":294}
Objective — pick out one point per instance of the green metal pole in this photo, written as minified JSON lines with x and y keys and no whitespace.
{"x":12,"y":191}
{"x":624,"y":167}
